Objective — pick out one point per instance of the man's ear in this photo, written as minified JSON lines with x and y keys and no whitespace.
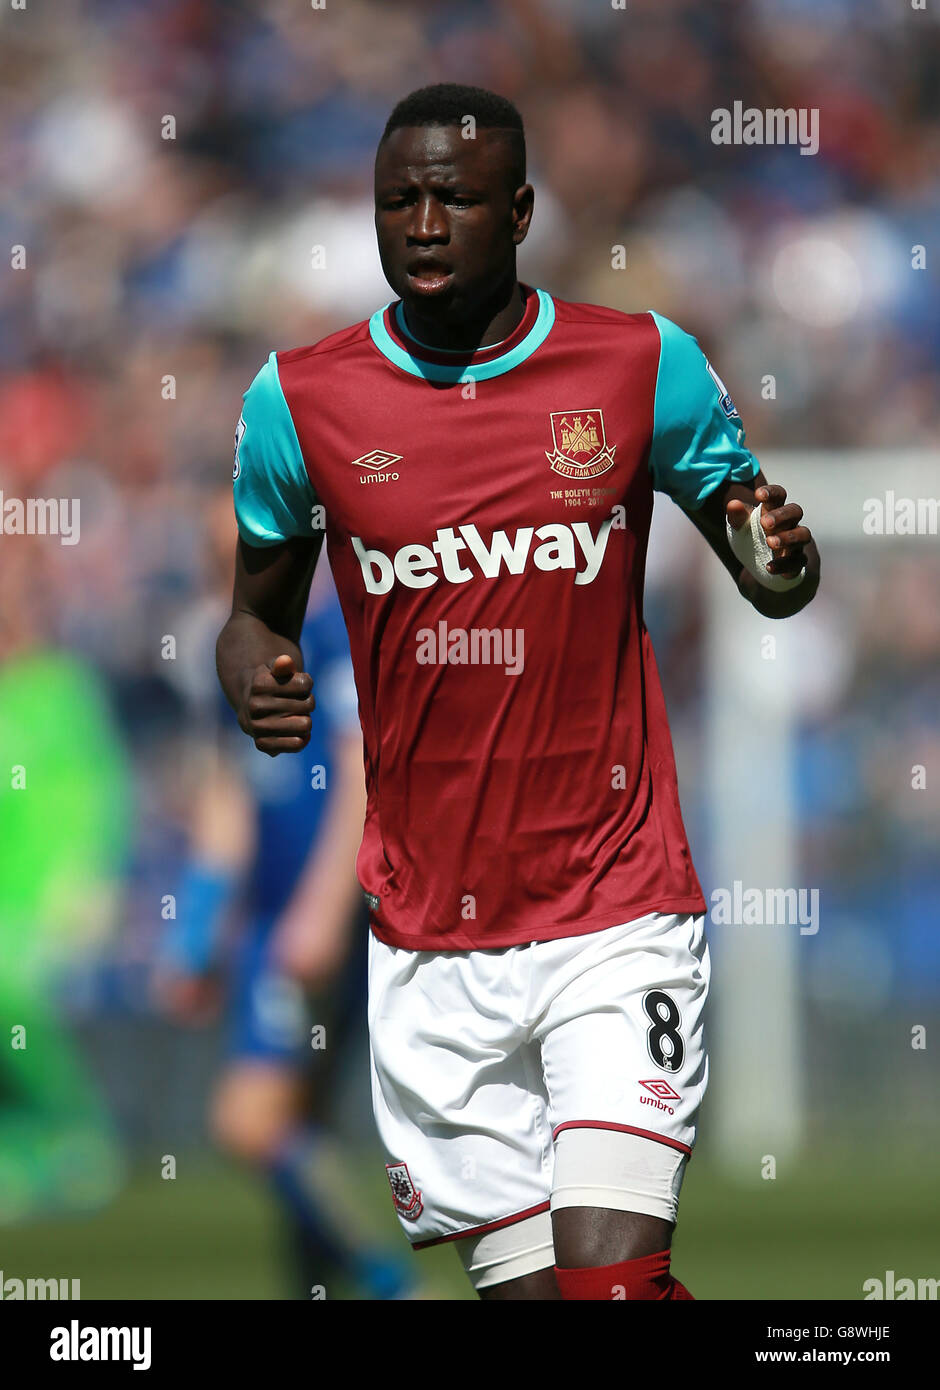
{"x":522,"y":203}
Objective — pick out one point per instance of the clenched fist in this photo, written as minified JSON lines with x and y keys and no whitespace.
{"x":277,"y":706}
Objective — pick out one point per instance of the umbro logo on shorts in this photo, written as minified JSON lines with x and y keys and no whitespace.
{"x":408,"y":1201}
{"x":662,"y":1089}
{"x":663,"y":1093}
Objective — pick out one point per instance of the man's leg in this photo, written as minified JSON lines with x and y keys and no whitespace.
{"x":270,"y":1110}
{"x":513,"y":1261}
{"x":540,"y":1285}
{"x":461,"y":1110}
{"x":625,"y":1067}
{"x":599,"y":1236}
{"x":592,"y":1239}
{"x":259,"y":1115}
{"x":614,"y":1255}
{"x":600,"y":1253}
{"x":589,"y":1238}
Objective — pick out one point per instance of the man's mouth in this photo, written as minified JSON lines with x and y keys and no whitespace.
{"x":429,"y":277}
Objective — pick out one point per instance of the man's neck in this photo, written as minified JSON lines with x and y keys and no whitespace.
{"x":470,"y":334}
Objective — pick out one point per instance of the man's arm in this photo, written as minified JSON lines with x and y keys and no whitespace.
{"x":186,"y":981}
{"x":791,"y":542}
{"x":699,"y":458}
{"x":313,"y":935}
{"x":258,"y":658}
{"x":259,"y":662}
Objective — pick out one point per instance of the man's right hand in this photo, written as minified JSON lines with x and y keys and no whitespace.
{"x":277,"y":706}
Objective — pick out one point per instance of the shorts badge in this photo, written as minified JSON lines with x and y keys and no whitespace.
{"x":408,"y":1201}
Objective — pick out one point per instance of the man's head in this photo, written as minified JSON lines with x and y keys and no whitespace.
{"x":451,"y":200}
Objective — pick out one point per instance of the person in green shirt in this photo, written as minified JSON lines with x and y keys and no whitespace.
{"x":65,"y":808}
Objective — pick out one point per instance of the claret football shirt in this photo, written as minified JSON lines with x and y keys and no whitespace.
{"x":486,"y":521}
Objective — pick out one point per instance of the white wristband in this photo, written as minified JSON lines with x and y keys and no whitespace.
{"x":749,"y":545}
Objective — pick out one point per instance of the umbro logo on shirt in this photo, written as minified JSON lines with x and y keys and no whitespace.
{"x":378,"y":461}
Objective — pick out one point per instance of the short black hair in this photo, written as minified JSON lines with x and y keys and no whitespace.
{"x":448,"y":103}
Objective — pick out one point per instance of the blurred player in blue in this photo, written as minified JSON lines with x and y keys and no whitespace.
{"x":278,"y":837}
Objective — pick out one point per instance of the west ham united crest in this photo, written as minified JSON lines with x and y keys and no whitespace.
{"x":407,"y":1199}
{"x":581,"y":449}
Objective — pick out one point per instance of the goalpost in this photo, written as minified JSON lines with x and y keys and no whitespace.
{"x":757,"y":1090}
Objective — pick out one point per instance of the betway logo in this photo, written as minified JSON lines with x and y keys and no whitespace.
{"x":418,"y":566}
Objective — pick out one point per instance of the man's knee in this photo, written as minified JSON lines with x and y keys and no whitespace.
{"x":614,"y":1204}
{"x":251,"y":1112}
{"x":590,"y":1236}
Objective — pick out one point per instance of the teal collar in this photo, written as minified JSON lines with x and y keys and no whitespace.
{"x":465,"y":370}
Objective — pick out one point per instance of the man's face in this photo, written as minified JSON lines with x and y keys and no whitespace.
{"x":447,"y":218}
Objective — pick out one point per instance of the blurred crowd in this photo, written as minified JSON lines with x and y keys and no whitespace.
{"x":169,"y":167}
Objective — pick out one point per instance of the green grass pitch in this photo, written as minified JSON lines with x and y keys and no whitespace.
{"x":212,"y":1233}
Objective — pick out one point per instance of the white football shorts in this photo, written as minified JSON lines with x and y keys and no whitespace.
{"x":481,"y":1059}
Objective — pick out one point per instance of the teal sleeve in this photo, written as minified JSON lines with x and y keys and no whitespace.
{"x":698,"y":438}
{"x":273,"y":494}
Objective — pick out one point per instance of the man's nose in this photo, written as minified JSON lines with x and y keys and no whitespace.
{"x":428,"y":222}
